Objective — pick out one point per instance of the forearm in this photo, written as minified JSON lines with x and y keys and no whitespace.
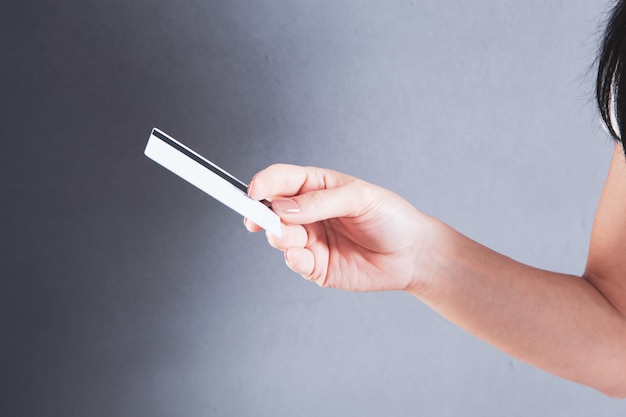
{"x":556,"y":322}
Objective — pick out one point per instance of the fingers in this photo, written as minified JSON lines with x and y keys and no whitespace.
{"x":303,"y":195}
{"x":292,"y":236}
{"x":300,"y":253}
{"x":289,"y":180}
{"x":251,"y":226}
{"x":300,"y":260}
{"x":310,"y":261}
{"x":349,"y":200}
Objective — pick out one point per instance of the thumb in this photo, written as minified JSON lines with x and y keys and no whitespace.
{"x":349,"y":200}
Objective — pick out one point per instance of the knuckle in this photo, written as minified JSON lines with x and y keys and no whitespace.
{"x":274,"y":242}
{"x":320,"y":277}
{"x":315,"y":199}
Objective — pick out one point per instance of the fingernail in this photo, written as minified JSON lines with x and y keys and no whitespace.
{"x":250,"y":187}
{"x":285,"y":206}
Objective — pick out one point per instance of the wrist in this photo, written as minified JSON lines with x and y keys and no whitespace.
{"x":429,"y":259}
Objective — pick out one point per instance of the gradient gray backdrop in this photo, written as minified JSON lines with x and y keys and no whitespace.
{"x":127,"y":292}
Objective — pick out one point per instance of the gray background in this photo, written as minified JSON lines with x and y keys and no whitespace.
{"x":127,"y":292}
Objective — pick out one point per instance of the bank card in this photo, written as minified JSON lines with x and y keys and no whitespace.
{"x":213,"y":180}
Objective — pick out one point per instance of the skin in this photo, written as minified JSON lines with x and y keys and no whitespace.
{"x":342,"y":232}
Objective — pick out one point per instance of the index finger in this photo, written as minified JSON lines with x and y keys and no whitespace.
{"x":289,"y":180}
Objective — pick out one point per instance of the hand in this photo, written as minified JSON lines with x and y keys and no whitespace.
{"x":342,"y":232}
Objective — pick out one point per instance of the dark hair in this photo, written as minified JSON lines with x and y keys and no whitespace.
{"x":611,"y":84}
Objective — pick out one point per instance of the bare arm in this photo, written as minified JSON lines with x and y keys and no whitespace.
{"x":556,"y":322}
{"x":574,"y":327}
{"x":606,"y":265}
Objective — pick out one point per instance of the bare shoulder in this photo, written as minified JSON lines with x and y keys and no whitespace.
{"x":606,"y":265}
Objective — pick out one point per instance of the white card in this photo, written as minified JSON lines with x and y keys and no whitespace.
{"x":210,"y":178}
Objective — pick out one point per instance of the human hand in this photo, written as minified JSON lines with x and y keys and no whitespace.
{"x":342,"y":232}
